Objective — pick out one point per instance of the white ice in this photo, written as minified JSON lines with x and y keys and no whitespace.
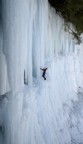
{"x":34,"y":111}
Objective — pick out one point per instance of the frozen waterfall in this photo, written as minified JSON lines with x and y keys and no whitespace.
{"x":34,"y":111}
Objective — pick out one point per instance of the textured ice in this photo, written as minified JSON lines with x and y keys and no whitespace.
{"x":39,"y":112}
{"x":4,"y":84}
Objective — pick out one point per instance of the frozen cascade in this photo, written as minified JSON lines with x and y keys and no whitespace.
{"x":35,"y":111}
{"x":4,"y":84}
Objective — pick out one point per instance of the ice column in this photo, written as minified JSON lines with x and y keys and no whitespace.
{"x":15,"y":40}
{"x":40,"y":36}
{"x":4,"y":84}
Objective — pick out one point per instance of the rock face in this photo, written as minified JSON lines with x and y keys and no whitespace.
{"x":55,"y":2}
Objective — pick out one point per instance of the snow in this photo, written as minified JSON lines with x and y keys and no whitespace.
{"x":43,"y":113}
{"x":39,"y":112}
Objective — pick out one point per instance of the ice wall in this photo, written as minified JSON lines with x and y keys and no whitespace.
{"x":15,"y":41}
{"x":34,"y":37}
{"x":4,"y":84}
{"x":32,"y":32}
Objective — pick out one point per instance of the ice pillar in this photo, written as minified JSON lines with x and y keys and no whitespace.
{"x":15,"y":40}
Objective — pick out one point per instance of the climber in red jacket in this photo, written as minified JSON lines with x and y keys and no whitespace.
{"x":44,"y":72}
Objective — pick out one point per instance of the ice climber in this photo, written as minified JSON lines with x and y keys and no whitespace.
{"x":44,"y":72}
